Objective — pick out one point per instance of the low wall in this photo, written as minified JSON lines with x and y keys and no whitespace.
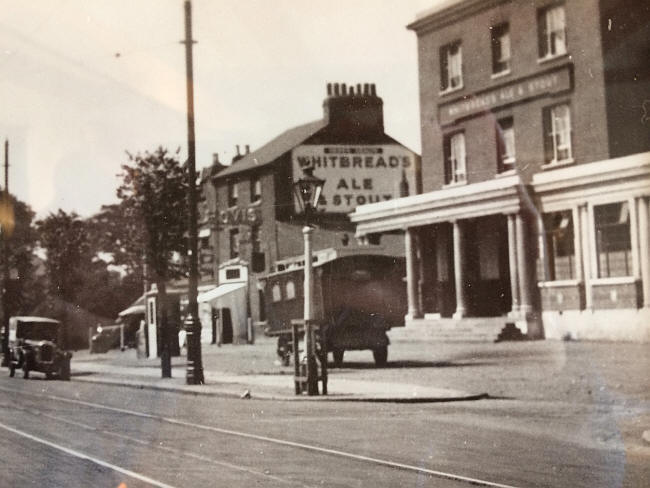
{"x":613,"y":324}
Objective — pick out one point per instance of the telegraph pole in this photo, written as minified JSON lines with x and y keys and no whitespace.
{"x":194,"y":373}
{"x":5,"y":259}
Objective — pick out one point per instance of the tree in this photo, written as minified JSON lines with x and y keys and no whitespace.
{"x":153,"y":199}
{"x":63,"y":237}
{"x":23,"y":289}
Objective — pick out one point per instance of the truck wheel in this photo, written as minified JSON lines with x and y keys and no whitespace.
{"x":338,"y":357}
{"x":64,"y":372}
{"x":381,"y":356}
{"x":25,"y":370}
{"x":12,"y":370}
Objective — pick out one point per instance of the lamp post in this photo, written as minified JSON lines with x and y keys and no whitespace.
{"x":194,"y":371}
{"x":308,"y":190}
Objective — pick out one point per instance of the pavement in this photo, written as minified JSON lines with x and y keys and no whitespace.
{"x":273,"y":382}
{"x":598,"y":375}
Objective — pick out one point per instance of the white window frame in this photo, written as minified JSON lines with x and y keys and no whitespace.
{"x":290,"y":289}
{"x":454,"y":61}
{"x":233,"y":194}
{"x":555,"y":37}
{"x":507,"y":143}
{"x":276,"y":293}
{"x":629,"y":208}
{"x":457,"y":159}
{"x":256,"y":190}
{"x":505,"y":52}
{"x":561,"y":134}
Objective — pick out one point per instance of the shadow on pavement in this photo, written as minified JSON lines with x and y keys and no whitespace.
{"x":407,"y":364}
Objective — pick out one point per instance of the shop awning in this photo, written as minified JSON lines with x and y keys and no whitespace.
{"x":132,"y":310}
{"x":220,"y":291}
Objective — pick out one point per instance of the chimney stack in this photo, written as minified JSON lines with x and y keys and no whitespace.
{"x":357,"y":110}
{"x":215,"y":158}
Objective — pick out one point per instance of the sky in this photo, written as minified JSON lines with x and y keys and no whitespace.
{"x":84,"y":81}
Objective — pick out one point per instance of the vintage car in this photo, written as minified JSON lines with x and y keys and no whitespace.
{"x":36,"y":344}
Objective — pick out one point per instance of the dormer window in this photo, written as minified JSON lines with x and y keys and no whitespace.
{"x":451,"y":67}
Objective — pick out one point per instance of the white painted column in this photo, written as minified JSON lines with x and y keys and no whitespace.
{"x":577,"y":243}
{"x":634,"y":238}
{"x":525,"y":305}
{"x":587,"y":249}
{"x":459,"y":275}
{"x":512,"y":262}
{"x":644,"y":247}
{"x":411,"y":275}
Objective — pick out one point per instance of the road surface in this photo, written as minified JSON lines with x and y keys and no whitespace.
{"x":77,"y":434}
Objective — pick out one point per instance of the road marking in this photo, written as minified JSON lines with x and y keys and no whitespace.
{"x":156,"y":445}
{"x":274,"y":440}
{"x":86,"y":457}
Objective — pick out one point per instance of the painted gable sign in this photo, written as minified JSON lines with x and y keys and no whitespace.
{"x":356,"y":175}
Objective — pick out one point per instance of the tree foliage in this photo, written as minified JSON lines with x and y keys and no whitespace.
{"x":153,"y":199}
{"x":24,"y":287}
{"x":63,"y":237}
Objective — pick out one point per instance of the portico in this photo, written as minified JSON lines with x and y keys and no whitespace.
{"x":468,"y":250}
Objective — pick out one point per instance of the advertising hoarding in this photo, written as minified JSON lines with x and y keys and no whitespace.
{"x":356,"y":174}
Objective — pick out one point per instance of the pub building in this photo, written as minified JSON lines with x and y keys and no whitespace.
{"x":250,"y":224}
{"x":533,"y":221}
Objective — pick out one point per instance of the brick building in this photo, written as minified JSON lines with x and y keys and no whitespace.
{"x":250,"y":220}
{"x":535,"y":119}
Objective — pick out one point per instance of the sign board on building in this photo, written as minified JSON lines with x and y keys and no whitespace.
{"x":547,"y":83}
{"x":356,"y":175}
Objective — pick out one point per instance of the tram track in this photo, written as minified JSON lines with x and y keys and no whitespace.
{"x":276,"y":441}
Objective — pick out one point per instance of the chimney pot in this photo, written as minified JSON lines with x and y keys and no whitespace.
{"x":344,"y":89}
{"x":366,"y":89}
{"x":359,"y":89}
{"x":248,"y":149}
{"x":336,"y":89}
{"x":373,"y":90}
{"x":329,"y":89}
{"x":215,"y":158}
{"x":352,"y":90}
{"x":237,"y":147}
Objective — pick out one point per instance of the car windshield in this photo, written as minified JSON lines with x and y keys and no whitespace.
{"x":46,"y":331}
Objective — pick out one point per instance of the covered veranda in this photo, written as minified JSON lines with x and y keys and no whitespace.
{"x":470,"y":250}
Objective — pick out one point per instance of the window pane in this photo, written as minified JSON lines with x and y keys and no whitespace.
{"x":558,"y":227}
{"x":613,"y":241}
{"x":458,"y":157}
{"x":451,"y":71}
{"x":506,"y":144}
{"x":552,"y":31}
{"x":500,"y":48}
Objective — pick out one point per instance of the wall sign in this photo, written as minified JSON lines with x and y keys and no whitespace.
{"x":356,"y":175}
{"x":240,"y":216}
{"x":550,"y":82}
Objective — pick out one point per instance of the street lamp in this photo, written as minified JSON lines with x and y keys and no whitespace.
{"x":308,"y":190}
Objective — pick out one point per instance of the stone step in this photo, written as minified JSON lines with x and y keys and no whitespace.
{"x":471,"y":329}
